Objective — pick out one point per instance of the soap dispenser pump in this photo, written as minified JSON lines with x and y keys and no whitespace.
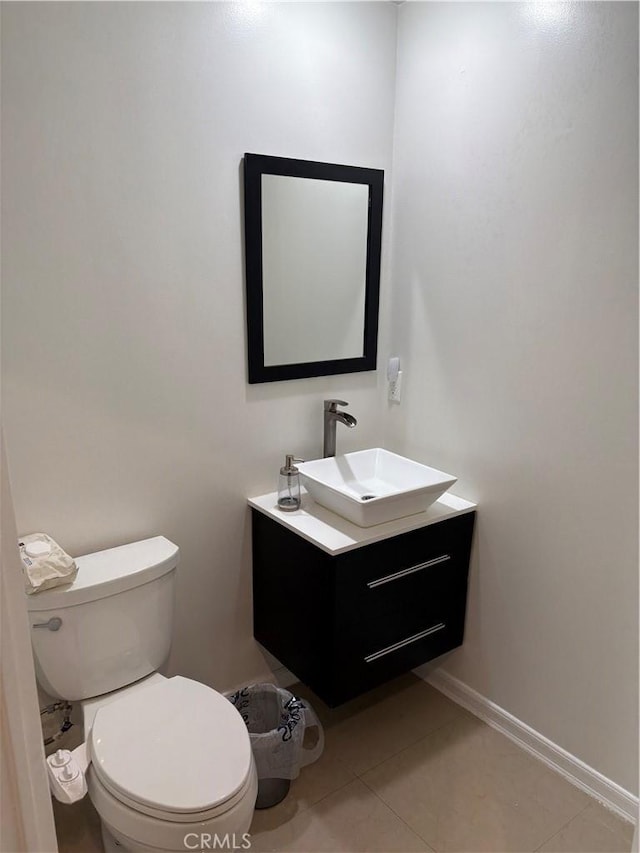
{"x":289,"y":485}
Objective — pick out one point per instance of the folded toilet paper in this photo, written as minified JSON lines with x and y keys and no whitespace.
{"x":44,"y":563}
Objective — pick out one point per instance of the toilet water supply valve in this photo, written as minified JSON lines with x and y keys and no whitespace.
{"x":67,"y":774}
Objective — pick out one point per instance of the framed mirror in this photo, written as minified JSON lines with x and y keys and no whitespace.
{"x":312,"y":245}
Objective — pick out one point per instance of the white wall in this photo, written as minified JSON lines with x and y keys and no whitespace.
{"x":513,"y":307}
{"x":515,"y":312}
{"x":126,"y":403}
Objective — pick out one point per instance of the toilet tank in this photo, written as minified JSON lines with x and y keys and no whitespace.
{"x":116,"y":620}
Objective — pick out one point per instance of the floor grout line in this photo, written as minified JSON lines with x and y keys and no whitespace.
{"x":402,"y":749}
{"x":324,"y":796}
{"x":564,"y":825}
{"x":400,"y":818}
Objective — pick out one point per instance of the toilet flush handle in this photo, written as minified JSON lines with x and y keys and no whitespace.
{"x":53,"y":624}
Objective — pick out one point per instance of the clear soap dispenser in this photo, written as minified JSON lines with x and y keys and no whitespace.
{"x":289,"y":485}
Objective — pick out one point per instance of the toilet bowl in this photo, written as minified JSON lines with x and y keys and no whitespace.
{"x":170,"y":762}
{"x":171,"y":766}
{"x":124,"y":829}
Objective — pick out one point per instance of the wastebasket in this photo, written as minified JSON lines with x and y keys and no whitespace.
{"x":277,"y":722}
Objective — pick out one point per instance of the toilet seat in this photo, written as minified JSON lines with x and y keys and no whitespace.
{"x":178,"y":751}
{"x":182,"y":818}
{"x":138,"y":831}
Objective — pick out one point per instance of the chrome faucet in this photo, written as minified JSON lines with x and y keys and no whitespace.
{"x":331,"y":418}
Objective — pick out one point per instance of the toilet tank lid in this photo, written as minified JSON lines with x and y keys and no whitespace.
{"x":106,"y":573}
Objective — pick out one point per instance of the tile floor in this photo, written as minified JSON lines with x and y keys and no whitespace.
{"x":404,"y":769}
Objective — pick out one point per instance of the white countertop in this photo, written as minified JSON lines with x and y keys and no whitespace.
{"x":336,"y":535}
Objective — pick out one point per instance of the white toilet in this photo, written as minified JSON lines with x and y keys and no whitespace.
{"x":171,"y":762}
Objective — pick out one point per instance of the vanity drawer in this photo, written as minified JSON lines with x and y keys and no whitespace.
{"x":377,"y":615}
{"x":399,"y":590}
{"x":386,"y":563}
{"x":372,"y":665}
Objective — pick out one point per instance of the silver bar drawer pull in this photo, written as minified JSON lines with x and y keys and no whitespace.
{"x":404,"y":572}
{"x":403,"y":643}
{"x":53,"y":624}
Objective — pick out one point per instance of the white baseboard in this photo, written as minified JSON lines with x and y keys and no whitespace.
{"x":592,"y":782}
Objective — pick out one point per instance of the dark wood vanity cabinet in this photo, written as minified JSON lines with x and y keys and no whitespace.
{"x":346,"y":623}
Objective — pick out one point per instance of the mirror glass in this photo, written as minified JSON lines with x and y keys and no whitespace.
{"x":312,"y":236}
{"x":314,"y":264}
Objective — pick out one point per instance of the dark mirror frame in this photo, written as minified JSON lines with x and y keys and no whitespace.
{"x":256,"y":165}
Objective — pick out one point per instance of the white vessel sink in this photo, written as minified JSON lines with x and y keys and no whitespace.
{"x":373,"y":486}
